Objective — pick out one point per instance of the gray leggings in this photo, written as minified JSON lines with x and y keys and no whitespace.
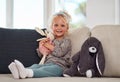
{"x":46,"y":70}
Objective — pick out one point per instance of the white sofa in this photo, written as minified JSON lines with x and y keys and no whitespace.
{"x":109,"y":37}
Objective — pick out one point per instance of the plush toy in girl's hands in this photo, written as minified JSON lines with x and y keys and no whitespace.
{"x":44,"y":33}
{"x":48,"y":46}
{"x":89,"y":61}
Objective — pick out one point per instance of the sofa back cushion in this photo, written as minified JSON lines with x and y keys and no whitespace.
{"x":109,"y":37}
{"x":78,"y":36}
{"x":18,"y":44}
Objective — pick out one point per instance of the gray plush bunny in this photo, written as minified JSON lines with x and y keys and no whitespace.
{"x":89,"y":61}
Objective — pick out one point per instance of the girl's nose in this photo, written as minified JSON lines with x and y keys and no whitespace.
{"x":59,"y":27}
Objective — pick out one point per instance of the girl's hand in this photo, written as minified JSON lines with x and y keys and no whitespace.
{"x":49,"y":46}
{"x":47,"y":43}
{"x":45,"y":40}
{"x":42,"y":48}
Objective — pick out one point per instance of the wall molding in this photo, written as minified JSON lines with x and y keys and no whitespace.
{"x":117,"y":11}
{"x":49,"y":8}
{"x":9,"y":13}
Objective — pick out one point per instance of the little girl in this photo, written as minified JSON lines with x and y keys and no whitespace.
{"x":58,"y":52}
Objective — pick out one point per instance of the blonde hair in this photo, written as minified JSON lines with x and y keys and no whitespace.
{"x":62,"y":14}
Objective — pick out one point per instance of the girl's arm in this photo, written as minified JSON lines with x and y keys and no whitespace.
{"x":63,"y":49}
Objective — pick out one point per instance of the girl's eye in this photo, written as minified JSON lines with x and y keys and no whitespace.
{"x":62,"y":25}
{"x":55,"y":25}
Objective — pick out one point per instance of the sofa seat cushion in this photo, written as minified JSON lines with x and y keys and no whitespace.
{"x":18,"y":44}
{"x":109,"y":37}
{"x":9,"y":78}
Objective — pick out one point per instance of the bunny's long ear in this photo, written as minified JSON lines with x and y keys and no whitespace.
{"x":100,"y":59}
{"x":46,"y":32}
{"x":40,"y":31}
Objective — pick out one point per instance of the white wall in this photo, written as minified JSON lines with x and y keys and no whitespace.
{"x":100,"y":12}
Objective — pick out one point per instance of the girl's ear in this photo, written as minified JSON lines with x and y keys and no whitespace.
{"x":100,"y":60}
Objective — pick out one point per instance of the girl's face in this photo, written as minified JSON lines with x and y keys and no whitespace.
{"x":59,"y":27}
